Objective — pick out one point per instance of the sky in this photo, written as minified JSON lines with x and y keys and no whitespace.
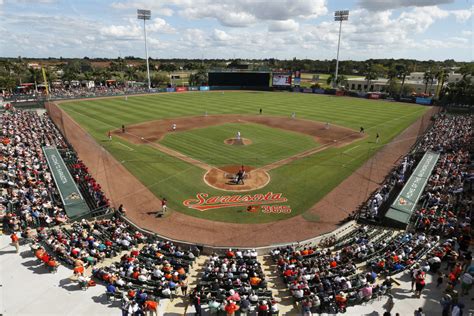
{"x":283,"y":29}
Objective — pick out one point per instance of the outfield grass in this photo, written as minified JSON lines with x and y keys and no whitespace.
{"x":303,"y":182}
{"x":268,"y":144}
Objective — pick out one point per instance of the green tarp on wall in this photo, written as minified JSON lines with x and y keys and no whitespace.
{"x":74,"y":203}
{"x":404,"y":205}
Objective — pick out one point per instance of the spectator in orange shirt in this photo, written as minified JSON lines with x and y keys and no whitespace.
{"x":255,"y":281}
{"x":230,"y":254}
{"x":39,"y":253}
{"x":78,"y":270}
{"x":151,"y":306}
{"x":15,"y":242}
{"x":231,"y":308}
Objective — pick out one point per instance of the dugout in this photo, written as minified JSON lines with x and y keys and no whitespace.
{"x":252,"y":80}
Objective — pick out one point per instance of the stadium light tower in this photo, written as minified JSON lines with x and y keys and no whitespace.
{"x":145,"y":15}
{"x":339,"y":16}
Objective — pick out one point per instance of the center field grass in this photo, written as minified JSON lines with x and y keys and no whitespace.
{"x":268,"y":144}
{"x":303,"y":182}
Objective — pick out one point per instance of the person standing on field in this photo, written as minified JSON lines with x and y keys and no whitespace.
{"x":163,"y":205}
{"x":110,"y":135}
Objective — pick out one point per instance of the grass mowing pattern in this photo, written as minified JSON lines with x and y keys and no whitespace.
{"x":303,"y":182}
{"x":268,"y":144}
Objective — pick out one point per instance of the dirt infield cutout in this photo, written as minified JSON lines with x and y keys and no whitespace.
{"x":217,"y":176}
{"x":222,"y":178}
{"x":237,"y":142}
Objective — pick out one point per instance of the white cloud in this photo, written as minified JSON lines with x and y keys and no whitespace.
{"x":122,"y":32}
{"x":382,"y":5}
{"x":134,"y":29}
{"x":462,"y":15}
{"x":240,"y":13}
{"x":156,"y":7}
{"x":160,"y":26}
{"x":283,"y":26}
{"x":221,"y":36}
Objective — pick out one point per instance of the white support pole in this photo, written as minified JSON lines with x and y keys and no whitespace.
{"x":337,"y":58}
{"x":146,"y":53}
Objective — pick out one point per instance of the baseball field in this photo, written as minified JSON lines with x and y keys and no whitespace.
{"x":290,"y":162}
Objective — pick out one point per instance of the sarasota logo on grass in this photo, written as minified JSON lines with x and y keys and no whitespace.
{"x":203,"y":202}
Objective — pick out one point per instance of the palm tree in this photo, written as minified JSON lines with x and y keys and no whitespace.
{"x":441,"y":76}
{"x":402,"y":73}
{"x":131,"y":73}
{"x":427,"y":78}
{"x":341,"y":80}
{"x":370,"y":74}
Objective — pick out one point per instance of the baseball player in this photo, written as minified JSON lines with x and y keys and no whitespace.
{"x":173,"y":127}
{"x":238,"y":135}
{"x":293,"y":115}
{"x":110,"y":135}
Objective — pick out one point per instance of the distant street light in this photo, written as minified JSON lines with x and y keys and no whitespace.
{"x":339,"y":16}
{"x":145,"y":15}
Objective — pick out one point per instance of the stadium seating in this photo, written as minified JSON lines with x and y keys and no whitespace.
{"x":352,"y":268}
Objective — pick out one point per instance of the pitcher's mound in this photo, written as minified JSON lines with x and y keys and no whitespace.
{"x":237,"y":142}
{"x":223,"y":178}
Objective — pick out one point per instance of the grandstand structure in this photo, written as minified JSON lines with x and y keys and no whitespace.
{"x":413,"y":220}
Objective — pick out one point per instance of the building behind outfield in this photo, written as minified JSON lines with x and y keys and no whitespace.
{"x":414,"y":80}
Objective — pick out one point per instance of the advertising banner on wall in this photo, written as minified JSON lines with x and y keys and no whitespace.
{"x":319,"y":91}
{"x":204,"y":88}
{"x":297,"y":78}
{"x":374,"y":96}
{"x":426,"y":101}
{"x":170,"y":90}
{"x":181,"y":89}
{"x":406,"y":201}
{"x":73,"y":202}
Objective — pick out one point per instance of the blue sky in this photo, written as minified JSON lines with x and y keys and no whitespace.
{"x":420,"y":29}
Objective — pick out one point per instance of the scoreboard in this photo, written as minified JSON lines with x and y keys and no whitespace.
{"x":281,"y":80}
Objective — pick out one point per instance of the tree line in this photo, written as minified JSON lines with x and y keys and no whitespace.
{"x":14,"y":71}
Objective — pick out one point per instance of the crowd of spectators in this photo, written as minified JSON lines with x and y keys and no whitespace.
{"x":97,"y":91}
{"x":26,"y":179}
{"x":76,"y":91}
{"x":396,"y":179}
{"x":326,"y":279}
{"x":85,"y":181}
{"x":29,"y":196}
{"x":234,"y":281}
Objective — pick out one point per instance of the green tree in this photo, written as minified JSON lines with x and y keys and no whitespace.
{"x":199,"y":78}
{"x":401,"y":73}
{"x":370,"y":74}
{"x":169,"y":67}
{"x":131,"y":73}
{"x":441,"y":76}
{"x":340,"y":81}
{"x":159,"y":79}
{"x":427,"y":78}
